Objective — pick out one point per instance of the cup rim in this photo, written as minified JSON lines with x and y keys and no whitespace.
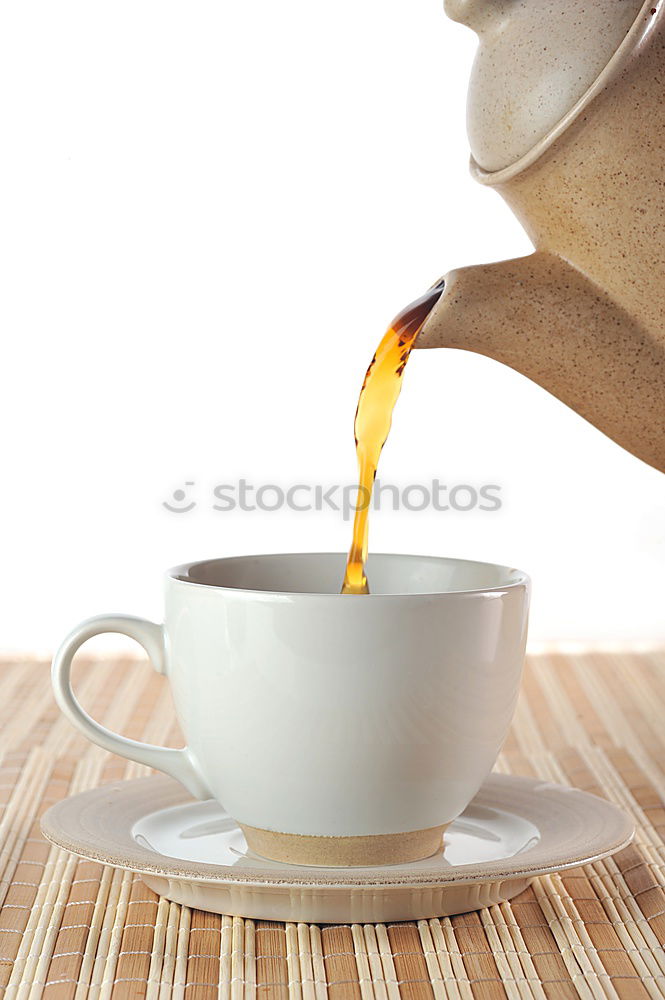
{"x":178,"y":575}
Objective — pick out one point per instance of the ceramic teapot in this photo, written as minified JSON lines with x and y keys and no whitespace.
{"x":566,"y":119}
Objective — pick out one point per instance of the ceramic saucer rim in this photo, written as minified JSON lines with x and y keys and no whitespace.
{"x":327,"y":878}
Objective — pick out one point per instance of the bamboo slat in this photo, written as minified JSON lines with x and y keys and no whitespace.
{"x":76,"y":930}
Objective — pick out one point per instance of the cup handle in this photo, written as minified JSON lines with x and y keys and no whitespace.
{"x":179,"y":764}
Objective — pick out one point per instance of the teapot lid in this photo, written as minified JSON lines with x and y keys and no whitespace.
{"x":535,"y":60}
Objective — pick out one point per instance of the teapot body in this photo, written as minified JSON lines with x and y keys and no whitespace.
{"x":596,"y":195}
{"x":584,"y":316}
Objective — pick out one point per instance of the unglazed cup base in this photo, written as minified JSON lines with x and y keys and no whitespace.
{"x":345,"y":852}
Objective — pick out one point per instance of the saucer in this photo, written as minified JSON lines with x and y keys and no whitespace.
{"x":194,"y":853}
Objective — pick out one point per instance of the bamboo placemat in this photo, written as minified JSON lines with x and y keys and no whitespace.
{"x":74,"y":929}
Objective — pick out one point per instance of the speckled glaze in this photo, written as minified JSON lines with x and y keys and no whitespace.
{"x":584,"y":316}
{"x":552,"y":50}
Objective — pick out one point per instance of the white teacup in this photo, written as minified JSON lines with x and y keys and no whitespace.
{"x":338,"y":730}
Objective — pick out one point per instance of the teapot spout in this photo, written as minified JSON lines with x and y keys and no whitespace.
{"x":547,"y":320}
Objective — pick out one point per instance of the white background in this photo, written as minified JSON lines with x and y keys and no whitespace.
{"x":209,"y":214}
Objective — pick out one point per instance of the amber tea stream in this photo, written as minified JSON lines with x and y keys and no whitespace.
{"x":376,"y":403}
